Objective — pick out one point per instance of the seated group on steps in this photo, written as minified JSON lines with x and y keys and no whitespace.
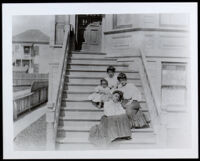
{"x":122,"y":111}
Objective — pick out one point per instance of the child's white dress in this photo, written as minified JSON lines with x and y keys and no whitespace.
{"x":112,"y":82}
{"x":99,"y":97}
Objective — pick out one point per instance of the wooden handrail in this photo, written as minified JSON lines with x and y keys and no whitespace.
{"x":62,"y":77}
{"x":56,"y":84}
{"x":144,"y":62}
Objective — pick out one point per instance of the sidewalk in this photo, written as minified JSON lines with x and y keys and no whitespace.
{"x":30,"y":130}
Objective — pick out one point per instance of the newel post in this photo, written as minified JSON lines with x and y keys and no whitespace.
{"x":50,"y":115}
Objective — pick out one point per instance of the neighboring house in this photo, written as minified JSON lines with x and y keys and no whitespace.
{"x":27,"y":48}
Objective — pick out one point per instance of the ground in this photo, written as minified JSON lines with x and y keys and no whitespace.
{"x":33,"y":137}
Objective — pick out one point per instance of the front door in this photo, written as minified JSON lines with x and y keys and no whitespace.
{"x":82,"y":26}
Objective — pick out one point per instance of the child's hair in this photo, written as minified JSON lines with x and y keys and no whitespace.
{"x":120,"y":94}
{"x":121,"y":76}
{"x":103,"y":80}
{"x":111,"y":68}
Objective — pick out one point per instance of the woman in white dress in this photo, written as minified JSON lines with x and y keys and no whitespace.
{"x":114,"y":123}
{"x":132,"y":97}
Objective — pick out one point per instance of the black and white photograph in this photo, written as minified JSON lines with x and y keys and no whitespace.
{"x":100,"y":80}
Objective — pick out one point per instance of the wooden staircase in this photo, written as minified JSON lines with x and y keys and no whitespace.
{"x":78,"y":115}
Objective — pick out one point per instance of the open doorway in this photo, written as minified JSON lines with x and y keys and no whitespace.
{"x":82,"y":22}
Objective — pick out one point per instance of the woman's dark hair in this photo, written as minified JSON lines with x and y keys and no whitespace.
{"x":121,"y":76}
{"x":120,"y":94}
{"x":103,"y":80}
{"x":111,"y":68}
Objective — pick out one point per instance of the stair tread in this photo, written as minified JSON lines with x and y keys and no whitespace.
{"x":84,"y":100}
{"x":137,"y":139}
{"x":72,"y":100}
{"x":98,"y":59}
{"x":86,"y":108}
{"x":106,"y":65}
{"x":96,"y":77}
{"x":103,"y":71}
{"x":88,"y":52}
{"x":92,"y":84}
{"x":87,"y":128}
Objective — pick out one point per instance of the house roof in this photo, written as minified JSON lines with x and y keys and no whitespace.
{"x":34,"y":36}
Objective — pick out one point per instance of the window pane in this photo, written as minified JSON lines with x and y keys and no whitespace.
{"x":26,"y":49}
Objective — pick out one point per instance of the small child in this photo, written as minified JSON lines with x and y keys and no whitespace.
{"x":101,"y":94}
{"x":111,"y":78}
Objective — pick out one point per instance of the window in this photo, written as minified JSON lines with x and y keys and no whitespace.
{"x":18,"y":63}
{"x":36,"y":50}
{"x":173,"y":85}
{"x":26,"y":49}
{"x":16,"y":48}
{"x":122,"y":21}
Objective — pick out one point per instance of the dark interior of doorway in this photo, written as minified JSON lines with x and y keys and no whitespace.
{"x":82,"y":21}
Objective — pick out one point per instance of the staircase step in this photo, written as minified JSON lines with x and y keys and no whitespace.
{"x":85,"y":115}
{"x":81,"y":115}
{"x":85,"y":88}
{"x":81,"y":96}
{"x":141,"y":138}
{"x":71,"y":135}
{"x":66,"y":129}
{"x":88,"y":55}
{"x":87,"y":52}
{"x":95,"y":61}
{"x":86,"y":104}
{"x":89,"y":108}
{"x":67,"y":77}
{"x":98,"y":74}
{"x":94,"y":81}
{"x":75,"y":125}
{"x":95,"y":67}
{"x":113,"y":146}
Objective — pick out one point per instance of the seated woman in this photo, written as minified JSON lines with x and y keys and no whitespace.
{"x":113,"y":125}
{"x":111,"y":78}
{"x":101,"y":94}
{"x":132,"y":96}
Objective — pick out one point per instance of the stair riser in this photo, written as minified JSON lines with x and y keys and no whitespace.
{"x":85,"y":55}
{"x":82,"y":147}
{"x":98,"y":74}
{"x":86,"y":104}
{"x":88,"y":89}
{"x":95,"y":68}
{"x":81,"y":96}
{"x":81,"y":115}
{"x":84,"y":135}
{"x":143,"y":139}
{"x":104,"y":62}
{"x":95,"y":81}
{"x":86,"y":115}
{"x":76,"y":124}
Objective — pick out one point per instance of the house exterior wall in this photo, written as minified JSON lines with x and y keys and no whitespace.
{"x":164,"y":40}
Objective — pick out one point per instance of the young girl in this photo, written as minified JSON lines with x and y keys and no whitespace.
{"x":113,"y":125}
{"x":101,"y":94}
{"x":132,"y":96}
{"x":111,"y":78}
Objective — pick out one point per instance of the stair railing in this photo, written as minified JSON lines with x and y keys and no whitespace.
{"x":144,"y":63}
{"x":160,"y":117}
{"x":154,"y":108}
{"x":56,"y":84}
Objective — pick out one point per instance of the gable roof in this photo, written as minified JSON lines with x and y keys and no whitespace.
{"x":34,"y":35}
